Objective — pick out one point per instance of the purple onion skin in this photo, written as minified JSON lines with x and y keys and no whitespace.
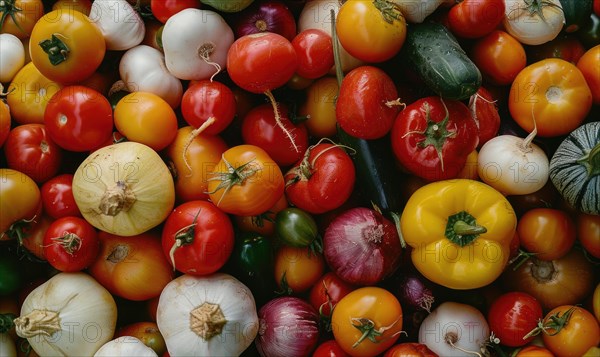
{"x":274,"y":16}
{"x":362,"y":246}
{"x":289,"y":326}
{"x":414,"y":292}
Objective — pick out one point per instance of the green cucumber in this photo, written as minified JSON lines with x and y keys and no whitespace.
{"x":437,"y":58}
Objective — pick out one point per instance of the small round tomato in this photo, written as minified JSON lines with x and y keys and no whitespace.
{"x":296,"y":227}
{"x":208,"y":99}
{"x":197,"y":238}
{"x":588,"y":233}
{"x":146,"y":118}
{"x":588,"y":65}
{"x":475,"y":18}
{"x":570,"y":331}
{"x":5,"y":122}
{"x":30,"y":150}
{"x":512,"y":315}
{"x":371,"y":31}
{"x":553,"y":93}
{"x":260,"y":128}
{"x":329,"y":348}
{"x":20,"y":199}
{"x":66,"y":46}
{"x":319,"y":107}
{"x":367,"y":321}
{"x":327,"y":292}
{"x":164,"y":9}
{"x":79,"y":118}
{"x":410,"y":349}
{"x":134,"y":268}
{"x":147,"y":332}
{"x":297,"y":269}
{"x":20,"y":16}
{"x":499,"y":56}
{"x":315,"y":53}
{"x":57,"y":197}
{"x":71,"y":244}
{"x":549,"y":233}
{"x":534,"y":351}
{"x":83,"y":6}
{"x":246,"y":181}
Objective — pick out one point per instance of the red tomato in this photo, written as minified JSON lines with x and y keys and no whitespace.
{"x":367,"y":103}
{"x":329,"y":348}
{"x":565,"y":46}
{"x":134,"y":268}
{"x":208,"y":99}
{"x":596,"y":7}
{"x":475,"y":18}
{"x":549,"y":233}
{"x":261,"y":62}
{"x":499,"y":56}
{"x":30,"y":150}
{"x":79,"y":118}
{"x":71,"y":244}
{"x":588,"y":233}
{"x":314,"y":48}
{"x":409,"y":349}
{"x":259,"y":127}
{"x":163,"y":9}
{"x":197,"y":238}
{"x":327,"y":291}
{"x":512,"y":315}
{"x":485,"y":112}
{"x":57,"y":197}
{"x":322,"y":181}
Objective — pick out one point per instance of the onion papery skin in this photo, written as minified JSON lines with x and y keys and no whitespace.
{"x":362,"y":246}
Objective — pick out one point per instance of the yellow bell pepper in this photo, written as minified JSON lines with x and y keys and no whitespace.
{"x":460,"y":232}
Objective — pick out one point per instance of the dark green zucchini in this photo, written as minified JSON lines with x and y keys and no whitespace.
{"x":437,"y":58}
{"x":577,"y":13}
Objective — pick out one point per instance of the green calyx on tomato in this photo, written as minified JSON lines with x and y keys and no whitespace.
{"x":555,"y":322}
{"x":233,"y":176}
{"x":591,"y":161}
{"x":536,"y":7}
{"x":56,"y":49}
{"x":9,"y":8}
{"x":367,"y":328}
{"x":462,"y":229}
{"x":390,"y":11}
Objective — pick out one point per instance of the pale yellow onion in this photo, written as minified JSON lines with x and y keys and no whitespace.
{"x":7,"y":346}
{"x":416,"y":11}
{"x":124,"y":189}
{"x":70,"y":314}
{"x":125,"y":346}
{"x":533,"y":27}
{"x":211,"y":315}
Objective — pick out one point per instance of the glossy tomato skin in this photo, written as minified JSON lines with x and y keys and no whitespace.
{"x":79,"y":118}
{"x":263,"y":223}
{"x":26,"y":13}
{"x":485,"y":112}
{"x":410,"y":349}
{"x":329,"y":348}
{"x":576,"y":337}
{"x":475,"y":18}
{"x":512,"y":315}
{"x":550,"y":233}
{"x":297,"y":269}
{"x":315,"y":53}
{"x":327,"y":292}
{"x":370,"y":305}
{"x":164,"y":9}
{"x":197,"y":238}
{"x":534,"y":351}
{"x":206,"y":99}
{"x":5,"y":122}
{"x":588,"y":233}
{"x":261,"y":62}
{"x":588,"y":65}
{"x":71,"y":244}
{"x":29,"y":149}
{"x":57,"y":197}
{"x":499,"y":56}
{"x":260,"y":128}
{"x":417,"y":130}
{"x":365,"y":105}
{"x":20,"y":199}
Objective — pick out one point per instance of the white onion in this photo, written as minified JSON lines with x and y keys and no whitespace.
{"x":12,"y":56}
{"x":125,"y":346}
{"x":121,"y":26}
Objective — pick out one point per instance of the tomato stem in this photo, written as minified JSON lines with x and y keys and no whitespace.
{"x":521,"y":258}
{"x":183,"y":236}
{"x":56,"y":49}
{"x":233,"y":176}
{"x":554,"y":322}
{"x":367,"y":328}
{"x":70,"y":242}
{"x":9,"y":8}
{"x":389,"y":10}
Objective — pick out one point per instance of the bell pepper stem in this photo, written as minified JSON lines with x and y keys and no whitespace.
{"x":463,"y":228}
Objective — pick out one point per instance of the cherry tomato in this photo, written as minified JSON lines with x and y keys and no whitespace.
{"x":5,"y":122}
{"x":327,"y":292}
{"x":20,"y":199}
{"x":319,"y":107}
{"x":66,"y":46}
{"x":367,"y":321}
{"x":147,"y":332}
{"x":588,"y":65}
{"x":79,"y":118}
{"x":409,"y":349}
{"x":197,"y":238}
{"x":367,"y":103}
{"x":588,"y":233}
{"x":57,"y":197}
{"x":30,"y":150}
{"x":549,"y":233}
{"x":259,"y":127}
{"x":297,"y":269}
{"x":164,"y":9}
{"x":475,"y":18}
{"x":125,"y":266}
{"x":208,"y":99}
{"x":371,"y":31}
{"x":20,"y":16}
{"x":329,"y":348}
{"x":261,"y":62}
{"x":246,"y":181}
{"x":264,"y":223}
{"x":512,"y":315}
{"x":71,"y":244}
{"x":499,"y":56}
{"x":314,"y":48}
{"x":576,"y":336}
{"x":146,"y":118}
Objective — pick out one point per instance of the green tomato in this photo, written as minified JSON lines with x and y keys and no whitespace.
{"x":295,"y":227}
{"x":228,"y":5}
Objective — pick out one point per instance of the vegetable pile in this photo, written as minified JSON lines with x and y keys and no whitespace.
{"x":300,"y":178}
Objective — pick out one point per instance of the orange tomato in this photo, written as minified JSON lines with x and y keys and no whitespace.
{"x":83,"y":6}
{"x":147,"y":332}
{"x":499,"y":56}
{"x":549,"y":233}
{"x":589,"y":65}
{"x":576,"y":336}
{"x":534,"y":351}
{"x":66,"y":46}
{"x":297,"y":269}
{"x":20,"y":199}
{"x":4,"y":122}
{"x":319,"y":107}
{"x":553,"y":93}
{"x":588,"y":233}
{"x":20,"y":16}
{"x":29,"y":94}
{"x":146,"y":118}
{"x":203,"y":154}
{"x":262,"y":223}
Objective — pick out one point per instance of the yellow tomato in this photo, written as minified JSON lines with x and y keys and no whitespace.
{"x":146,"y":118}
{"x":20,"y":16}
{"x":20,"y":199}
{"x":29,"y":94}
{"x":553,"y":93}
{"x":4,"y":122}
{"x":83,"y":6}
{"x":319,"y":107}
{"x":66,"y":46}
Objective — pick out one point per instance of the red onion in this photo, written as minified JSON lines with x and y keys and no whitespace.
{"x":362,"y":246}
{"x":288,"y":326}
{"x":262,"y":16}
{"x":414,"y":291}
